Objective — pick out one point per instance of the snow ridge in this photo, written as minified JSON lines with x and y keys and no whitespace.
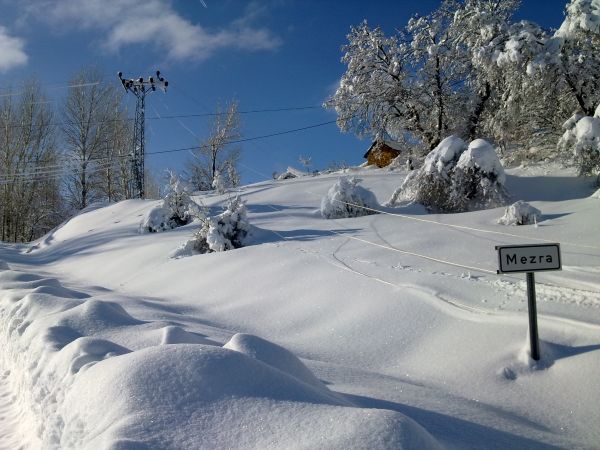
{"x":78,"y":387}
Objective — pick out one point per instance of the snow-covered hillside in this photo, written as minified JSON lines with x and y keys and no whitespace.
{"x":384,"y":331}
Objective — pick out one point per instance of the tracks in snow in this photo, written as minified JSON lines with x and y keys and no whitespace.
{"x":511,"y":291}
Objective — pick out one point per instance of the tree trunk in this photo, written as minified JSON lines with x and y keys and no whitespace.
{"x":440,"y":100}
{"x":475,"y":118}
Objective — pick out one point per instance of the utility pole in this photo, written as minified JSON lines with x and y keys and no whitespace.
{"x":140,"y":87}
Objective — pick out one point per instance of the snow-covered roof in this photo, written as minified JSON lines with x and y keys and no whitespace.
{"x":396,"y":146}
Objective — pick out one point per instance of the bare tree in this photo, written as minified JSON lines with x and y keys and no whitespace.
{"x":29,"y":166}
{"x":216,"y":154}
{"x":91,"y":133}
{"x":114,"y":176}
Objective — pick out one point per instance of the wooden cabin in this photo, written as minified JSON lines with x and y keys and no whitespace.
{"x":382,"y":153}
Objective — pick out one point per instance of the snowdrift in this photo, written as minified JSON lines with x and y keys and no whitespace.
{"x":393,"y":330}
{"x":83,"y":390}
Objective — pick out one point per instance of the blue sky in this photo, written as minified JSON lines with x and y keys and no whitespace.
{"x":266,"y":54}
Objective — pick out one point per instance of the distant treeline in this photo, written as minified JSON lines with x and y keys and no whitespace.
{"x":55,"y":161}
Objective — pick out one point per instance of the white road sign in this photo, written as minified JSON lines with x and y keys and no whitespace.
{"x":528,"y":258}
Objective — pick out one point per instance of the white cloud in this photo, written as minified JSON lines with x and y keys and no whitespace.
{"x":153,"y":22}
{"x":12,"y":52}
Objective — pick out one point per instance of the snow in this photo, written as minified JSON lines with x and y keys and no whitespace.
{"x":455,"y":178}
{"x":395,"y":145}
{"x":156,"y":220}
{"x":587,"y":128}
{"x":520,"y":213}
{"x":219,"y":183}
{"x":444,"y":155}
{"x":572,"y":121}
{"x":582,"y":15}
{"x":581,"y":136}
{"x":383,"y":331}
{"x":177,"y":209}
{"x":347,"y":199}
{"x":291,"y":172}
{"x":481,"y":155}
{"x":226,"y":231}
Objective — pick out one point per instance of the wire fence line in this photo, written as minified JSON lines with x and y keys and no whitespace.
{"x":390,"y":248}
{"x":343,"y":265}
{"x":462,"y":227}
{"x":447,"y":262}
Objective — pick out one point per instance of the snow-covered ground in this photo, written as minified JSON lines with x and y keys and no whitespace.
{"x":384,"y":331}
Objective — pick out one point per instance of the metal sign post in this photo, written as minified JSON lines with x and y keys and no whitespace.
{"x":530,"y":259}
{"x":532,"y":308}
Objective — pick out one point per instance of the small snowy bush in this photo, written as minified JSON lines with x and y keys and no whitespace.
{"x":520,"y":213}
{"x":431,"y":185}
{"x":347,"y":199}
{"x":177,"y":209}
{"x":226,"y":231}
{"x":478,"y":180}
{"x":218,"y":183}
{"x":285,"y":176}
{"x":582,"y":139}
{"x":456,"y":177}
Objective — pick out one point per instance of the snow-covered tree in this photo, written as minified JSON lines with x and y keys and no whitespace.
{"x":431,"y":185}
{"x":218,"y":183}
{"x":508,"y":100}
{"x":435,"y":77}
{"x":455,"y":177}
{"x":437,"y":69}
{"x":178,"y":201}
{"x":401,"y":84}
{"x":373,"y":91}
{"x":177,"y":209}
{"x":347,"y":199}
{"x":233,"y":175}
{"x":578,"y":44}
{"x":217,"y":153}
{"x":581,"y":140}
{"x":467,"y":69}
{"x":479,"y":29}
{"x":225,"y":231}
{"x":478,"y":179}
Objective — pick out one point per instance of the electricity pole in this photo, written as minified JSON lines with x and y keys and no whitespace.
{"x":140,"y":87}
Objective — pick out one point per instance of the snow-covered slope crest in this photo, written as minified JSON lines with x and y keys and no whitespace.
{"x":80,"y":386}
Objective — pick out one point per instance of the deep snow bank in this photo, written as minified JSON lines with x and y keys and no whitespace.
{"x":80,"y":386}
{"x":440,"y":344}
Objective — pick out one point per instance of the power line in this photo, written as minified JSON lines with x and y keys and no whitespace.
{"x":49,"y":176}
{"x":249,"y":111}
{"x":237,"y":141}
{"x":58,"y":86}
{"x":163,"y":117}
